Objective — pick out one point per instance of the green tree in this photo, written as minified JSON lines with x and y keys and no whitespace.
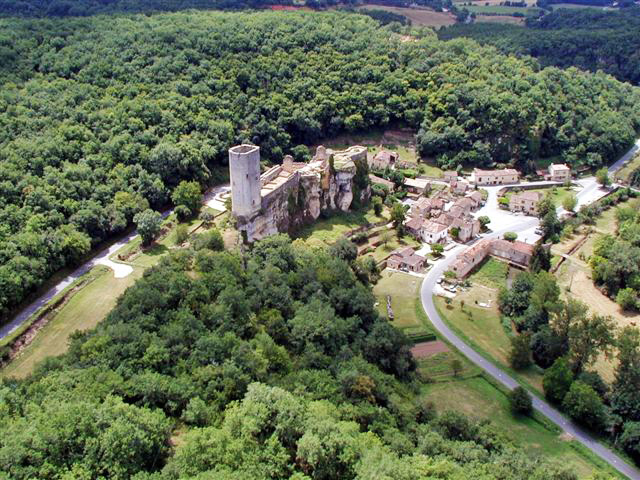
{"x":148,"y":223}
{"x":182,"y":234}
{"x":398,"y":213}
{"x":520,"y":401}
{"x":484,"y":221}
{"x":187,"y":195}
{"x":540,"y":258}
{"x":557,"y":380}
{"x":456,"y":366}
{"x":602,"y":177}
{"x":344,"y":249}
{"x":510,"y":236}
{"x":520,"y":353}
{"x":627,"y":298}
{"x":437,"y":249}
{"x":625,"y":400}
{"x":583,"y":404}
{"x":570,"y":202}
{"x":377,"y":205}
{"x":589,"y":336}
{"x":630,"y":439}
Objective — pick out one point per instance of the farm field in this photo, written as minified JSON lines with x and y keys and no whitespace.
{"x":500,"y":9}
{"x":418,"y":16}
{"x":500,"y":19}
{"x":460,"y":3}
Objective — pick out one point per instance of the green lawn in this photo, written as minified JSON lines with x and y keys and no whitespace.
{"x":327,"y":231}
{"x":382,"y":251}
{"x":481,"y":399}
{"x":83,"y":311}
{"x":492,"y":273}
{"x":404,"y":290}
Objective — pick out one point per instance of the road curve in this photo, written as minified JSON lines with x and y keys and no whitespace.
{"x":567,"y":425}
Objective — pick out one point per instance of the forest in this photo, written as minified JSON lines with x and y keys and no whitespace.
{"x":102,"y":117}
{"x":270,"y":364}
{"x":585,"y":38}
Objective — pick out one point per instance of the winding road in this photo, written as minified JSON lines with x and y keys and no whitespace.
{"x":523,"y":225}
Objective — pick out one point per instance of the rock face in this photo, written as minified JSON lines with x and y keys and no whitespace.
{"x":295,"y":194}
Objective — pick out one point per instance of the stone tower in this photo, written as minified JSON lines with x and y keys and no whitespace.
{"x":244,"y":169}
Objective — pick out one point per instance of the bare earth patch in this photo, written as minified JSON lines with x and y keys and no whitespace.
{"x":427,"y":349}
{"x":500,"y":19}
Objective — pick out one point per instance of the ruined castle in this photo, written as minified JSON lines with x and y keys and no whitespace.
{"x":292,"y":194}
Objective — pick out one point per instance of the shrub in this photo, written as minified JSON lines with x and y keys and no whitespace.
{"x":211,"y":240}
{"x":520,"y":401}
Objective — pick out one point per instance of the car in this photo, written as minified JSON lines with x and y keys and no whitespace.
{"x":439,"y":281}
{"x":539,"y":231}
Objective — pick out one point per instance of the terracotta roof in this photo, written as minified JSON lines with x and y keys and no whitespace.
{"x":464,"y":201}
{"x":456,"y":211}
{"x":414,"y":259}
{"x":433,"y":227}
{"x":502,"y":172}
{"x":423,"y":202}
{"x":403,"y":252}
{"x":477,"y":196}
{"x":516,"y":245}
{"x":380,"y":181}
{"x":529,"y":195}
{"x":559,"y":166}
{"x":414,"y":223}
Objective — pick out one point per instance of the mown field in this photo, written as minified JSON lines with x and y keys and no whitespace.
{"x":418,"y":16}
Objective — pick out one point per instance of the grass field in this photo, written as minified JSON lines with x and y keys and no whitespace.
{"x":492,"y":273}
{"x":418,"y":16}
{"x":327,"y":231}
{"x":479,"y":398}
{"x":84,"y":310}
{"x":623,"y":174}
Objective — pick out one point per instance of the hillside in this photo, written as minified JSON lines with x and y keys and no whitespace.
{"x":104,"y":116}
{"x":271,"y":365}
{"x":585,"y":38}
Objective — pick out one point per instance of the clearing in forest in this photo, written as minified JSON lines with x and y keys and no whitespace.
{"x":418,"y":16}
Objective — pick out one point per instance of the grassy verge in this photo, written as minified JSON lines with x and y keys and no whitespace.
{"x":83,"y":311}
{"x":327,"y":231}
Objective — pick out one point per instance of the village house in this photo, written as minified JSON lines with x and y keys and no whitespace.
{"x":558,"y":172}
{"x":459,"y":187}
{"x":406,"y":259}
{"x":450,"y":176}
{"x":526,"y":202}
{"x":382,"y":160}
{"x":434,"y":232}
{"x":476,"y":198}
{"x":517,"y":253}
{"x":375,"y":180}
{"x":466,"y":204}
{"x":422,"y":207}
{"x":468,"y":228}
{"x":416,"y":185}
{"x":414,"y":226}
{"x":495,"y":177}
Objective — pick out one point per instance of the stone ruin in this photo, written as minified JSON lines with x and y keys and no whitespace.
{"x":292,"y":194}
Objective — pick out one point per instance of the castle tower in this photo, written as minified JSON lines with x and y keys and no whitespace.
{"x":244,"y":169}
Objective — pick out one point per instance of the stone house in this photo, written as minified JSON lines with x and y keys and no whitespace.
{"x":466,"y":204}
{"x":468,"y":228}
{"x":517,"y":253}
{"x":526,"y":202}
{"x":476,"y":198}
{"x":450,"y":176}
{"x":383,"y":159}
{"x":416,"y":185}
{"x":406,"y":259}
{"x":375,"y":180}
{"x":558,"y":172}
{"x":434,"y":232}
{"x":459,"y":187}
{"x":414,"y":226}
{"x":422,"y":207}
{"x":495,"y":177}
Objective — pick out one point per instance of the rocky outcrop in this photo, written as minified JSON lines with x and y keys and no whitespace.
{"x":328,"y":183}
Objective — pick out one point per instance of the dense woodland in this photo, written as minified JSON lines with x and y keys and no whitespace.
{"x":101,"y":117}
{"x":269,"y":365}
{"x":586,"y":38}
